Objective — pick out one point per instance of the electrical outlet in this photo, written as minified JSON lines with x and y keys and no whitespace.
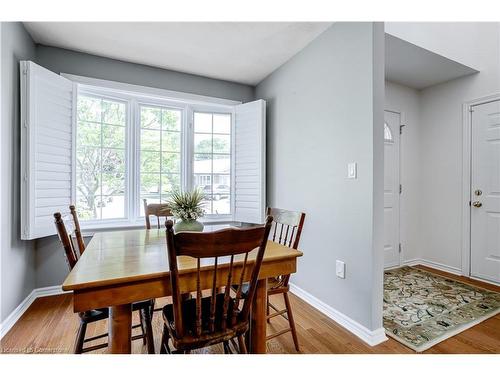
{"x":340,"y":269}
{"x":352,"y":170}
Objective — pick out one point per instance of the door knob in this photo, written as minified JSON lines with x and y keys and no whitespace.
{"x":478,"y":192}
{"x":477,"y":204}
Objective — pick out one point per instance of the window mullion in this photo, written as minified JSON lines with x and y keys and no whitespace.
{"x":131,"y":146}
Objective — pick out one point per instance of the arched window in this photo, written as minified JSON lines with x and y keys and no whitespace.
{"x":387,"y":133}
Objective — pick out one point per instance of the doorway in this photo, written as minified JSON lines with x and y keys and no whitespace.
{"x":484,"y":190}
{"x":392,"y":247}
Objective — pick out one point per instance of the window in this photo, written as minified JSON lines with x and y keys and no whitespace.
{"x":160,"y":153}
{"x":387,"y":133}
{"x":100,"y":158}
{"x":105,"y":146}
{"x":212,"y":160}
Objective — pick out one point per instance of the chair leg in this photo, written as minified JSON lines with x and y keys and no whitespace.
{"x":146,"y":314}
{"x":242,"y":345}
{"x":164,"y":348}
{"x":80,"y":337}
{"x":291,"y":321}
{"x":268,"y":310}
{"x":143,"y":330}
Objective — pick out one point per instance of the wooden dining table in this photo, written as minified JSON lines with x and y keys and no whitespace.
{"x":121,"y":267}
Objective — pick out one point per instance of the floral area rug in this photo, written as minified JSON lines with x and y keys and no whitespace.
{"x":422,"y":309}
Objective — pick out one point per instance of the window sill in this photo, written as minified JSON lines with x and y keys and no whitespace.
{"x":88,"y":229}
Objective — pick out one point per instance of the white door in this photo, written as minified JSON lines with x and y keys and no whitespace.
{"x":391,"y":189}
{"x":485,"y":192}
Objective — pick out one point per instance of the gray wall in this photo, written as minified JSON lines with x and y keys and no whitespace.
{"x":51,"y":268}
{"x":325,"y":109}
{"x":17,"y":257}
{"x":66,"y":61}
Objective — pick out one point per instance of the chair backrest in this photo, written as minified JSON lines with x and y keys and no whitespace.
{"x":78,"y":232}
{"x":65,"y":229}
{"x":233,"y":243}
{"x":287,"y":226}
{"x":156,"y":209}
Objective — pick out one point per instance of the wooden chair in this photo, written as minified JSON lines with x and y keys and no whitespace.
{"x":216,"y":318}
{"x":286,"y":230}
{"x":158,"y":210}
{"x":68,"y":227}
{"x":155,"y":209}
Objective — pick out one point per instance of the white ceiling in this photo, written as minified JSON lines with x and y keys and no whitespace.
{"x":416,"y":67}
{"x":240,"y":52}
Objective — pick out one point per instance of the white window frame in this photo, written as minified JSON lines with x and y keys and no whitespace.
{"x":134,"y":96}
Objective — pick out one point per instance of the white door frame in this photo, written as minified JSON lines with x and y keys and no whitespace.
{"x":466,"y":175}
{"x":402,"y":123}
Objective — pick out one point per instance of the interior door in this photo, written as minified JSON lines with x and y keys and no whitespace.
{"x":391,"y":189}
{"x":485,"y":191}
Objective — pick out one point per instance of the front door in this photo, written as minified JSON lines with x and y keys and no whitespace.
{"x":391,"y":189}
{"x":485,"y":191}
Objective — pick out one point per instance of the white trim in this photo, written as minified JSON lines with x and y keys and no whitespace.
{"x":14,"y":316}
{"x":435,"y":265}
{"x":466,"y":176}
{"x":150,"y":91}
{"x":372,"y":338}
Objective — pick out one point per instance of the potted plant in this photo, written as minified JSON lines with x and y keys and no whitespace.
{"x":187,"y":207}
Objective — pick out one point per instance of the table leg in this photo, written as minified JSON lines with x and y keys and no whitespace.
{"x":120,"y":329}
{"x":258,"y":326}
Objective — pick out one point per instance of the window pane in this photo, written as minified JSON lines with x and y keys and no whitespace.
{"x":222,"y":144}
{"x":160,"y":151}
{"x":171,"y":141}
{"x":113,"y":161}
{"x":169,"y":183}
{"x":150,"y":140}
{"x":150,"y":162}
{"x":89,"y":109}
{"x":171,"y":120}
{"x":202,"y":122}
{"x":203,"y":143}
{"x":202,"y":163}
{"x":150,"y":183}
{"x":222,"y":124}
{"x":222,"y":164}
{"x":171,"y":162}
{"x":113,"y":113}
{"x":88,"y":134}
{"x":150,"y":118}
{"x":221,"y":205}
{"x":113,"y":183}
{"x":113,"y":136}
{"x":212,"y":161}
{"x":112,"y":207}
{"x":100,"y":156}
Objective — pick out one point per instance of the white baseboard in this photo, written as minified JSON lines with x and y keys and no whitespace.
{"x":14,"y":316}
{"x":372,"y":338}
{"x":431,"y":264}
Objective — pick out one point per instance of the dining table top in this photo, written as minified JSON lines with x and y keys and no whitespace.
{"x":125,"y":256}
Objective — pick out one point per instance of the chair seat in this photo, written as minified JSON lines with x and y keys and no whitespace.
{"x":273,"y":286}
{"x":206,"y":338}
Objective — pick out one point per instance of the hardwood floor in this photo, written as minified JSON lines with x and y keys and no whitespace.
{"x":49,"y":326}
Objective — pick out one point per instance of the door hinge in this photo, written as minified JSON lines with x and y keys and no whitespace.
{"x":400,"y":189}
{"x":399,"y":247}
{"x":401,"y":129}
{"x":471,"y":110}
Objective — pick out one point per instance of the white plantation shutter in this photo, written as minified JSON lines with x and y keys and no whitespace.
{"x":250,"y":162}
{"x":46,"y":149}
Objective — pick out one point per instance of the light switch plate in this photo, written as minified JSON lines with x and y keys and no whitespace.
{"x":340,"y":269}
{"x":352,"y":170}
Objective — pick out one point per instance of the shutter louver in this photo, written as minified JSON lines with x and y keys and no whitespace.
{"x":250,"y":162}
{"x":46,"y":149}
